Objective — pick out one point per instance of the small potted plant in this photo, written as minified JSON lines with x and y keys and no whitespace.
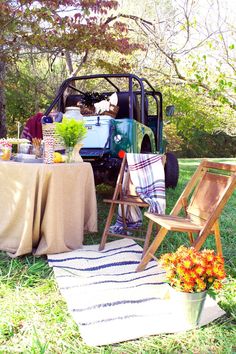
{"x":191,"y":275}
{"x":72,"y":133}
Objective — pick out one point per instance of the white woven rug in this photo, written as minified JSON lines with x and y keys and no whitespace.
{"x":110,"y":302}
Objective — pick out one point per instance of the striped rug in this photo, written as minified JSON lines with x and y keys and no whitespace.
{"x":110,"y":302}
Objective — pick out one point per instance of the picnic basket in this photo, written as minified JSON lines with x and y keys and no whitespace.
{"x":90,"y":111}
{"x":112,"y":111}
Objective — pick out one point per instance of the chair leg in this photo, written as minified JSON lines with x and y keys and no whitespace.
{"x":217,"y":238}
{"x":152,"y":249}
{"x":190,"y":236}
{"x":123,"y":215}
{"x":106,"y":229}
{"x":148,"y":236}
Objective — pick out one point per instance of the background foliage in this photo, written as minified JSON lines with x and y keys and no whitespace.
{"x":180,"y":47}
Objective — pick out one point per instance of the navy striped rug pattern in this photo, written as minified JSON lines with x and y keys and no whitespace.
{"x":108,"y":300}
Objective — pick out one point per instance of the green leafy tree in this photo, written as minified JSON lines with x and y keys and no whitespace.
{"x":200,"y":127}
{"x":52,"y":26}
{"x":30,"y":87}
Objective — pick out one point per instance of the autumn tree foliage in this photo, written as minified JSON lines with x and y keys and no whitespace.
{"x":73,"y":25}
{"x":57,"y":27}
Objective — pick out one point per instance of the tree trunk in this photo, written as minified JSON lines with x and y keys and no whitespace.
{"x":69,"y":62}
{"x":3,"y":129}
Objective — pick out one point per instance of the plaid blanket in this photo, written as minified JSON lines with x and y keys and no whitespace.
{"x":148,"y":177}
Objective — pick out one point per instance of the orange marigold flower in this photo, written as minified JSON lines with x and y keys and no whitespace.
{"x":187,"y":263}
{"x":193,"y":274}
{"x":217,"y":285}
{"x":210,"y":280}
{"x":210,"y":257}
{"x":187,"y":277}
{"x":220,"y":273}
{"x":209,"y":271}
{"x":206,"y":252}
{"x":201,"y":288}
{"x":200,"y":281}
{"x":199,"y":270}
{"x":188,"y":287}
{"x":180,"y":270}
{"x":201,"y":261}
{"x":201,"y":285}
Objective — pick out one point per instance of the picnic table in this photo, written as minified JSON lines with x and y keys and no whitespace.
{"x":45,"y":208}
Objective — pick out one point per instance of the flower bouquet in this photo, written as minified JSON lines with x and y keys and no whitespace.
{"x":191,"y":274}
{"x":191,"y":271}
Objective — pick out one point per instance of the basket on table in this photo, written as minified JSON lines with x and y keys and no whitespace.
{"x":112,"y":111}
{"x":90,"y":111}
{"x":87,"y":110}
{"x":49,"y":130}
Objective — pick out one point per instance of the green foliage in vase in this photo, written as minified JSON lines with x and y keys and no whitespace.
{"x":71,"y":131}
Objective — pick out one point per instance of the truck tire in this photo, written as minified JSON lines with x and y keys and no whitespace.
{"x":171,"y":170}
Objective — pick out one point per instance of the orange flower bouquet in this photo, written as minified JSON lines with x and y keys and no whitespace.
{"x":191,"y":271}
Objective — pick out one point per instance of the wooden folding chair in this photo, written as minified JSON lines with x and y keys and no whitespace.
{"x":124,"y":195}
{"x":208,"y":191}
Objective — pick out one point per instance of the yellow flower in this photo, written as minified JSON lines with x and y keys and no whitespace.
{"x":187,"y":277}
{"x":217,"y":285}
{"x":209,"y":271}
{"x":180,"y":270}
{"x":187,"y":263}
{"x":219,"y":272}
{"x":199,"y":270}
{"x":200,"y":284}
{"x":188,"y":287}
{"x":209,"y":257}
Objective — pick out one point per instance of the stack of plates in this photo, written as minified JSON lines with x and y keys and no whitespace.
{"x":27,"y":158}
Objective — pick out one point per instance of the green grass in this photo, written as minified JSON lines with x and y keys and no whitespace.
{"x":34,"y":316}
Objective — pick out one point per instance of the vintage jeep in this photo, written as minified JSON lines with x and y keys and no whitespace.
{"x":136,"y":127}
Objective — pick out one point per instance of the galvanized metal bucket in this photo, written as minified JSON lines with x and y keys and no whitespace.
{"x":188,"y":305}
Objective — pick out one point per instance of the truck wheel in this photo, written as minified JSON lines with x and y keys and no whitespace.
{"x":171,"y":170}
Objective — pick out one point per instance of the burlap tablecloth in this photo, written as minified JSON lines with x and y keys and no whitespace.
{"x":45,"y":208}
